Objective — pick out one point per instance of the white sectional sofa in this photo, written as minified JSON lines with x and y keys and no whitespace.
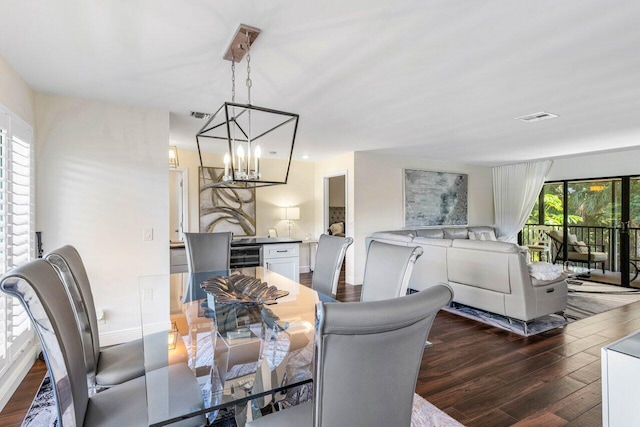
{"x":489,"y":275}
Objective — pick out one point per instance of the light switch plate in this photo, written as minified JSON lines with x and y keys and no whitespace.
{"x":147,"y":234}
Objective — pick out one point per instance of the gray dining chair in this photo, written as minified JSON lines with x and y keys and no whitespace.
{"x":114,"y":364}
{"x":40,"y":290}
{"x":208,"y":251}
{"x":367,"y":359}
{"x":329,"y":259}
{"x":387,"y":270}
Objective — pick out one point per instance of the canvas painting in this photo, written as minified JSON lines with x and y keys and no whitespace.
{"x":434,"y":198}
{"x":225,"y":208}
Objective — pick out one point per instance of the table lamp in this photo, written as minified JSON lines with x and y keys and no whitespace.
{"x":289,"y":214}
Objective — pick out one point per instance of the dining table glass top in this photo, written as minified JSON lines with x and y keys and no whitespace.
{"x":243,"y":356}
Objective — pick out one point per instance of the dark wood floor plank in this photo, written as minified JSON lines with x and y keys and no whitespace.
{"x":563,"y":367}
{"x":15,"y":410}
{"x":538,"y":399}
{"x":578,"y":403}
{"x":591,"y":418}
{"x":493,"y":418}
{"x":588,"y":374}
{"x":539,"y":419}
{"x":465,"y":390}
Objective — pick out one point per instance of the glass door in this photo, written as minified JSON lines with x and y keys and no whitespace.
{"x":599,"y":219}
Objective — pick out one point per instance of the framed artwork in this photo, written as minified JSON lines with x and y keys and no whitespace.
{"x":225,"y":208}
{"x":434,"y":198}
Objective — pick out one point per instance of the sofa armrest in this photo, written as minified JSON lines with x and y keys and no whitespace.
{"x":536,"y":283}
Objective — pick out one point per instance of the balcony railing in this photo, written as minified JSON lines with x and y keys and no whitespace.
{"x":607,"y":238}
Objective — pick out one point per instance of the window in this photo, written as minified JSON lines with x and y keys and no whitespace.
{"x":16,"y":229}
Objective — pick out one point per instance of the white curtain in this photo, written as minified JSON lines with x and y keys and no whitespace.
{"x":515,"y":191}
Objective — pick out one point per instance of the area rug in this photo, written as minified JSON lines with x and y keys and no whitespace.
{"x":537,"y":326}
{"x":588,"y":298}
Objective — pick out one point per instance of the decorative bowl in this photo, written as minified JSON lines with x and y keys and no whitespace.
{"x":241,"y":289}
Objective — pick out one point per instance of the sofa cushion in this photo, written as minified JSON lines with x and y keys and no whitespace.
{"x":432,"y":242}
{"x":384,"y":235}
{"x":482,"y":228}
{"x":483,"y":235}
{"x":456,"y":233}
{"x":431,"y":233}
{"x":486,"y":245}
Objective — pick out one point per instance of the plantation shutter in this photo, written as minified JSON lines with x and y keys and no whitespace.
{"x":16,"y":229}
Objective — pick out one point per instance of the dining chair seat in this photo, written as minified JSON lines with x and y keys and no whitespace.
{"x":119,"y":363}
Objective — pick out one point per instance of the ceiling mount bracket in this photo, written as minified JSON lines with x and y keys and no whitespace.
{"x":238,"y":46}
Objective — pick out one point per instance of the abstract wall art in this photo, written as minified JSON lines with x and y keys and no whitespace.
{"x":434,"y":198}
{"x":225,"y":208}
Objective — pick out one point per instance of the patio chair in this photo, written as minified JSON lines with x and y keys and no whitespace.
{"x":577,"y":251}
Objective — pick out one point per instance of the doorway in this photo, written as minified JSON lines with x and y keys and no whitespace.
{"x":178,"y":204}
{"x":335,"y":203}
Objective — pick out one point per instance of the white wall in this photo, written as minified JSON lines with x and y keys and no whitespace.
{"x":612,"y":164}
{"x":102,"y":178}
{"x":379,"y":200}
{"x":15,"y":93}
{"x":299,"y":191}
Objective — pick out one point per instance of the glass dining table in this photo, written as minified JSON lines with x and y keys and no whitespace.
{"x":243,"y":356}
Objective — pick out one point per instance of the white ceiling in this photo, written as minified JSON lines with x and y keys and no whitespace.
{"x":439,"y":79}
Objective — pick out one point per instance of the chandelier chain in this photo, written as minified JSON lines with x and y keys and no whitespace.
{"x":249,"y":82}
{"x":233,"y":79}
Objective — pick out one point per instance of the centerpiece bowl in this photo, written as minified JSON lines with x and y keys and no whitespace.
{"x":241,"y":289}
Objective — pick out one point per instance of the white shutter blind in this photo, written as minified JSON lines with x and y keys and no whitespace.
{"x":16,"y":229}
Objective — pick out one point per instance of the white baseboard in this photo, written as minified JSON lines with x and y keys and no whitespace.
{"x":117,"y":337}
{"x":12,"y":379}
{"x":126,"y":335}
{"x":305,"y":269}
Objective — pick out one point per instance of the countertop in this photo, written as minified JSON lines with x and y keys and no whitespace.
{"x":248,"y":241}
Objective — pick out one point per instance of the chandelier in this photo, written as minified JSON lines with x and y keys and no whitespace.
{"x":251,"y":132}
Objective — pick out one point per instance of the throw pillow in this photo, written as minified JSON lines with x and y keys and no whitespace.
{"x":336,"y":228}
{"x":581,"y":247}
{"x":483,"y":235}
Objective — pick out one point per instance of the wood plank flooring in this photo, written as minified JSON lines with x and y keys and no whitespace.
{"x":484,"y":376}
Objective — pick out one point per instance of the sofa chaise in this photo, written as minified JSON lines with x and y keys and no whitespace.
{"x":490,"y":275}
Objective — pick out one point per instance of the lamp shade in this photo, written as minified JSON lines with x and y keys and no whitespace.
{"x":173,"y":156}
{"x":291,"y":213}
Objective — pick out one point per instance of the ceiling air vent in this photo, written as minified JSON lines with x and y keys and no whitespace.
{"x":536,"y":117}
{"x":199,"y":115}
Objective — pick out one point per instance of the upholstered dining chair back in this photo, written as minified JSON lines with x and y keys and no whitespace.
{"x":329,"y":259}
{"x":208,"y":251}
{"x":368,"y":357}
{"x":41,"y":292}
{"x":68,"y":263}
{"x":387,"y":270}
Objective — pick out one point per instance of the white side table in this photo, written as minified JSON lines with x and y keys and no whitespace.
{"x":620,"y":376}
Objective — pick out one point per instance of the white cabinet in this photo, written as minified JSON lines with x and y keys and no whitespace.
{"x":620,"y":377}
{"x":283,"y":258}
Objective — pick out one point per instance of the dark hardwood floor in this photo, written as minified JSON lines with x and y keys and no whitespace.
{"x":485,"y":376}
{"x":17,"y":407}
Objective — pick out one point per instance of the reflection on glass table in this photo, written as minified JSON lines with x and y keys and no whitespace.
{"x":244,"y":356}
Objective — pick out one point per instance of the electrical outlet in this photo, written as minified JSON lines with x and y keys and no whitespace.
{"x":148,"y":294}
{"x":100,"y":317}
{"x":147,"y":234}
